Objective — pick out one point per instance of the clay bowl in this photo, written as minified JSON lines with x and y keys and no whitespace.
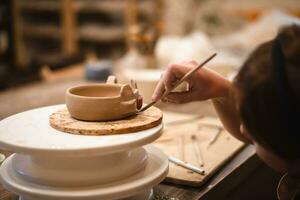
{"x":101,"y":102}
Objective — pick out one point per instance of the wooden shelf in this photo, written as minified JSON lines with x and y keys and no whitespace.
{"x":99,"y":6}
{"x":33,"y":5}
{"x":3,"y":54}
{"x":73,"y":27}
{"x":99,"y":33}
{"x":42,"y":31}
{"x":47,"y":57}
{"x":146,"y":8}
{"x":109,"y":6}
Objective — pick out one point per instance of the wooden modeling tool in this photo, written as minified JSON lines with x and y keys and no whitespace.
{"x":215,"y":138}
{"x":197,"y":150}
{"x":186,"y":165}
{"x":187,"y":75}
{"x":181,"y":148}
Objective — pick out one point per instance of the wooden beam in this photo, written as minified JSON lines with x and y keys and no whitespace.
{"x":69,"y":44}
{"x":131,"y":15}
{"x":21,"y":57}
{"x":131,"y":12}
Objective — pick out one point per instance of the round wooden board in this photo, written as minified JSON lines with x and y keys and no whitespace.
{"x":62,"y":121}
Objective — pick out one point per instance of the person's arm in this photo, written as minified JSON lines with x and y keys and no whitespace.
{"x":227,"y":112}
{"x":204,"y":84}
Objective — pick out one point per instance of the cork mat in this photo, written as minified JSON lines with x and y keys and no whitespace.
{"x":177,"y":141}
{"x":62,"y":121}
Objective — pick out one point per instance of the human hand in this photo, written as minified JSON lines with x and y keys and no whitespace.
{"x":139,"y":102}
{"x":203,"y":84}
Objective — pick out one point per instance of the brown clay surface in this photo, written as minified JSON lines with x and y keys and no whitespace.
{"x":97,"y":91}
{"x":100,"y":102}
{"x":62,"y":121}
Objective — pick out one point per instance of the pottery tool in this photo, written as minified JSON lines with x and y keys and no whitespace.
{"x":215,"y":138}
{"x":214,"y":158}
{"x":181,"y":147}
{"x":197,"y":150}
{"x":187,"y":75}
{"x":186,"y":165}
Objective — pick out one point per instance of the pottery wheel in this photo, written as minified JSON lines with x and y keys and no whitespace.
{"x":62,"y":121}
{"x":107,"y":167}
{"x":30,"y":132}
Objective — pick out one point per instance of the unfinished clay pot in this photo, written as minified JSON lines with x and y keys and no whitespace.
{"x":102,"y":102}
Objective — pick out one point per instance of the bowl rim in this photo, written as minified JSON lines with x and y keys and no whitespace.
{"x":69,"y":93}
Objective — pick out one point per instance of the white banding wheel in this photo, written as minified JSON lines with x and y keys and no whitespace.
{"x":50,"y":164}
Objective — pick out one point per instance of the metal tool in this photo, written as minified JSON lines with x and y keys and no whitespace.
{"x":214,"y":139}
{"x":187,"y":75}
{"x":197,"y":150}
{"x":186,"y":165}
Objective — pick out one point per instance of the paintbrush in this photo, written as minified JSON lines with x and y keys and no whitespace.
{"x":186,"y":165}
{"x":187,"y":75}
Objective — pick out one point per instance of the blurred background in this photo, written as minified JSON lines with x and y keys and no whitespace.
{"x":49,"y":45}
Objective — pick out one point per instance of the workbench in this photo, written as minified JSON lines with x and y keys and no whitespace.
{"x":243,"y":177}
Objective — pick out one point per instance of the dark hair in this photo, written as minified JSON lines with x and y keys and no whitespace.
{"x":259,"y":103}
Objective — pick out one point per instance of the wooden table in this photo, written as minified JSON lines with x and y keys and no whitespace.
{"x":244,"y":177}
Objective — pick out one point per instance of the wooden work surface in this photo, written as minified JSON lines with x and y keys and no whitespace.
{"x":199,"y":140}
{"x":217,"y":187}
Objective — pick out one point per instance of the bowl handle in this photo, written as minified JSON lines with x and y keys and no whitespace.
{"x":126,"y":92}
{"x":134,"y":87}
{"x":111,"y":80}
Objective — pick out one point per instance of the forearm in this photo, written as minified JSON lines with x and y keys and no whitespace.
{"x":203,"y":85}
{"x":227,"y":112}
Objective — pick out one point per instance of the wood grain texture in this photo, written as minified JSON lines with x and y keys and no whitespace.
{"x":178,"y":127}
{"x":62,"y":121}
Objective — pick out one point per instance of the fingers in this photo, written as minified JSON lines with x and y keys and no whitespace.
{"x":139,"y":102}
{"x":191,"y":63}
{"x":173,"y":73}
{"x":176,"y":72}
{"x":159,"y":89}
{"x":166,"y":81}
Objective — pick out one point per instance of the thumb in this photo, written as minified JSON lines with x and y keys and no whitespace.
{"x":181,"y":97}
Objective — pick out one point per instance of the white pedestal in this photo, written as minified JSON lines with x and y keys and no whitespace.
{"x":148,"y":195}
{"x":52,"y":165}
